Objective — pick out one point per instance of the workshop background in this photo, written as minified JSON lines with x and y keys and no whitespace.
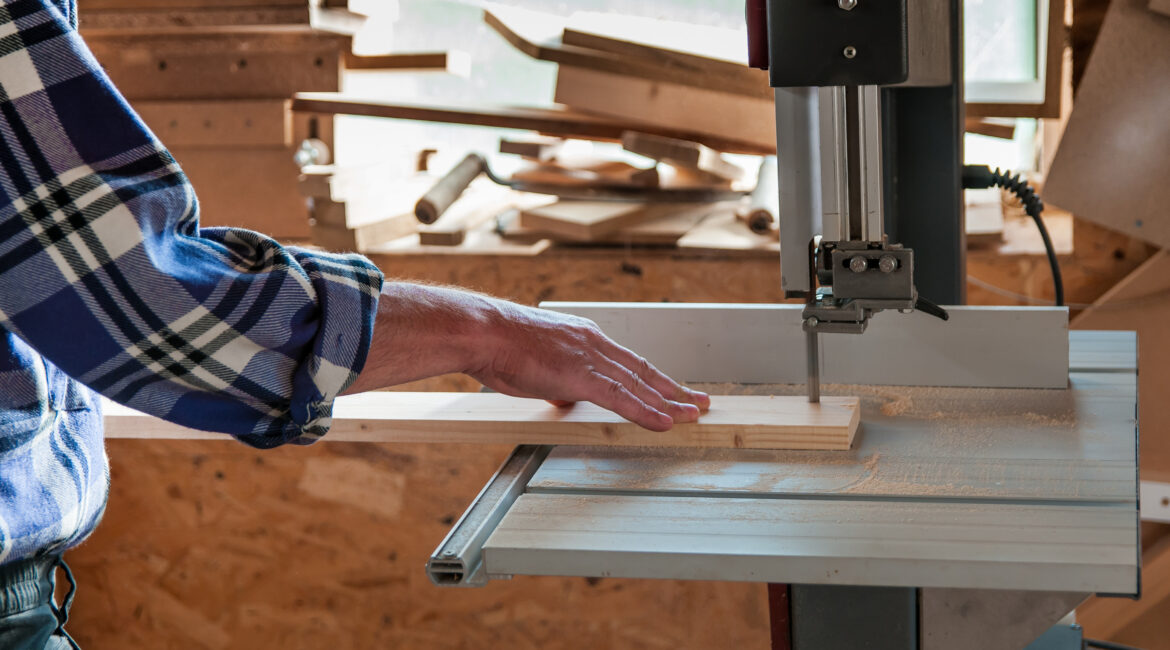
{"x":214,"y":545}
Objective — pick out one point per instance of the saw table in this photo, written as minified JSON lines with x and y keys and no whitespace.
{"x":1003,"y":508}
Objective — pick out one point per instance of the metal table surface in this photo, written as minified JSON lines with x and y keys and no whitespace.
{"x":1029,"y":489}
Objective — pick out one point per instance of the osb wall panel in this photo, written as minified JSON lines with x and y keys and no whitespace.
{"x":214,"y":545}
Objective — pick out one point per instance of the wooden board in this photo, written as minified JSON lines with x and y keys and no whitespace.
{"x":254,"y":188}
{"x":196,"y":66}
{"x":219,"y":123}
{"x":534,"y":148}
{"x":1141,"y":302}
{"x":233,"y":19}
{"x":102,"y":5}
{"x":453,"y":62}
{"x":554,"y":120}
{"x":749,"y":422}
{"x":662,"y":231}
{"x":598,"y":220}
{"x":681,"y":153}
{"x":539,"y":35}
{"x":649,"y":106}
{"x":1110,"y":167}
{"x":699,"y":49}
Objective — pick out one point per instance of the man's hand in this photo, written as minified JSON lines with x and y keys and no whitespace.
{"x":425,"y":331}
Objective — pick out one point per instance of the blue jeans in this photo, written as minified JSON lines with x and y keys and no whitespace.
{"x":29,"y":617}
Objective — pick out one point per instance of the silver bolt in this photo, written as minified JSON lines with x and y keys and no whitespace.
{"x":448,"y":553}
{"x":888,"y":264}
{"x":858,"y":264}
{"x":849,"y":52}
{"x":812,"y":321}
{"x":847,"y":5}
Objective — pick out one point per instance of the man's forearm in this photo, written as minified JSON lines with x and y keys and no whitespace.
{"x":422,"y":331}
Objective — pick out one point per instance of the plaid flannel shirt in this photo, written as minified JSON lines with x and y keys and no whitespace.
{"x":108,"y":284}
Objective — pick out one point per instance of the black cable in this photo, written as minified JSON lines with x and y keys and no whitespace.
{"x":981,"y":177}
{"x":1108,"y":645}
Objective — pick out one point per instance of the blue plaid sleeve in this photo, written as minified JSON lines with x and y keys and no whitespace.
{"x":105,"y":271}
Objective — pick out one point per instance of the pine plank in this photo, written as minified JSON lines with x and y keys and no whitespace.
{"x":649,"y":106}
{"x":539,"y":35}
{"x":492,"y":418}
{"x":584,"y":220}
{"x":556,"y":120}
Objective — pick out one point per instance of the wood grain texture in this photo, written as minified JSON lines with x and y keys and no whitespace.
{"x":223,"y":19}
{"x":554,"y":121}
{"x":539,"y":35}
{"x":650,"y":105}
{"x":219,"y":123}
{"x":1110,"y":167}
{"x":753,"y":422}
{"x":589,"y":220}
{"x":680,"y":153}
{"x":201,"y":66}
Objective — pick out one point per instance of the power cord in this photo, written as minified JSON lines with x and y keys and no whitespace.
{"x":979,"y":177}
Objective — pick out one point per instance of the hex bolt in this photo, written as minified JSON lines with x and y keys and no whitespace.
{"x":888,"y":264}
{"x":849,"y":52}
{"x":858,"y":264}
{"x":847,"y":5}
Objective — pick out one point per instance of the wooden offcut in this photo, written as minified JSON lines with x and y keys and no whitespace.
{"x":592,"y":220}
{"x":1112,"y":161}
{"x":681,"y":153}
{"x":654,"y":105}
{"x":738,"y":421}
{"x":539,"y":35}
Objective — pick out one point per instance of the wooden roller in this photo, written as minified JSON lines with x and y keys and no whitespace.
{"x":435,"y":202}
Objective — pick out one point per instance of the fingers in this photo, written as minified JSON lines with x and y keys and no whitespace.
{"x":610,"y":394}
{"x":656,"y":379}
{"x":678,"y":411}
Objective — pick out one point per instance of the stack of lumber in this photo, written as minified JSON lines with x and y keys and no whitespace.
{"x":680,"y":101}
{"x":213,"y":78}
{"x":649,"y":73}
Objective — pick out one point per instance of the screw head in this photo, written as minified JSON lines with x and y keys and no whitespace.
{"x":812,"y":321}
{"x":847,"y":5}
{"x":849,"y":52}
{"x":887,"y":264}
{"x":858,"y":264}
{"x":448,"y":553}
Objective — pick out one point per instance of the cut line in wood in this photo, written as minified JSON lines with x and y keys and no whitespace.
{"x":738,"y":421}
